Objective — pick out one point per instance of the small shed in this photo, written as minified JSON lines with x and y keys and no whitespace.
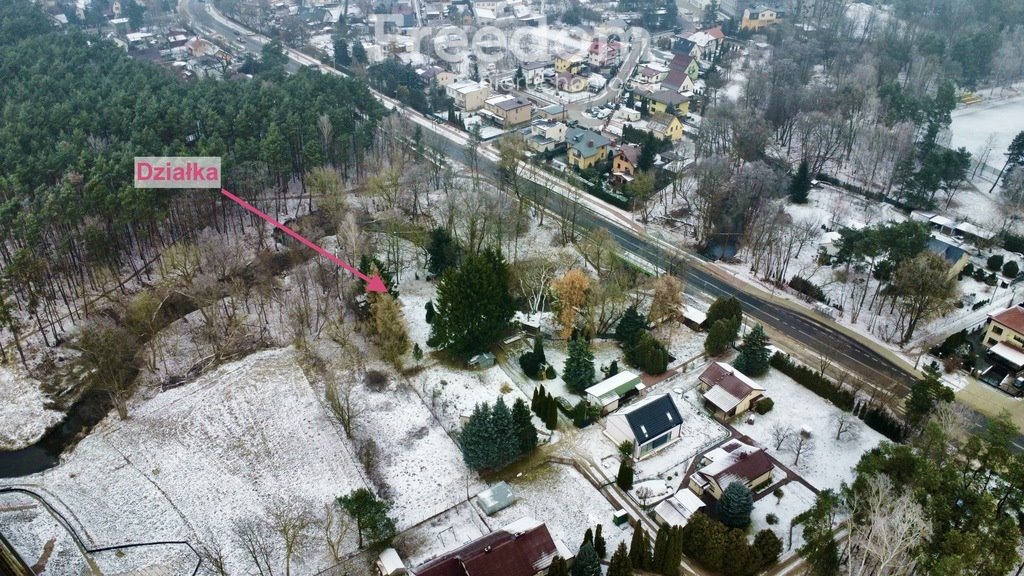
{"x":495,"y":498}
{"x":389,"y":563}
{"x":485,"y":360}
{"x":694,"y":318}
{"x":610,"y":391}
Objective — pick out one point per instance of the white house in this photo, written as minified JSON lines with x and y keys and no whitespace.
{"x":648,"y":426}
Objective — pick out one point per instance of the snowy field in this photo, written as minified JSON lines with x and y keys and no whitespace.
{"x":195,"y":460}
{"x":831,"y":461}
{"x":796,"y":499}
{"x":444,"y":532}
{"x":562,"y":498}
{"x":988,"y":125}
{"x":24,"y":417}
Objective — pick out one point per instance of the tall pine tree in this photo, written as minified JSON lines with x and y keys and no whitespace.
{"x":558,"y":567}
{"x":753,"y":359}
{"x":525,"y":432}
{"x":505,"y":437}
{"x":639,"y":548}
{"x":800,"y":187}
{"x":620,"y":564}
{"x":578,"y":373}
{"x":586,"y":562}
{"x":660,"y":549}
{"x":475,"y":438}
{"x":599,"y":544}
{"x":473,"y":305}
{"x":624,"y":479}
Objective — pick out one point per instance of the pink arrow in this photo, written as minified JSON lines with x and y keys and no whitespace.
{"x":374,"y":284}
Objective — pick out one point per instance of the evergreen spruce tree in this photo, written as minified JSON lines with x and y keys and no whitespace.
{"x":558,"y":567}
{"x":599,"y":544}
{"x":768,"y":545}
{"x":578,"y":373}
{"x":443,"y":251}
{"x":720,"y":336}
{"x":613,"y":368}
{"x":753,"y":359}
{"x":538,"y":350}
{"x":588,"y":537}
{"x":630,"y":327}
{"x":475,"y":438}
{"x":620,"y":564}
{"x":533,"y":400}
{"x":586,"y":562}
{"x":660,"y":550}
{"x":735,"y":505}
{"x":429,"y":306}
{"x":359,"y":52}
{"x":800,"y":187}
{"x":639,"y":548}
{"x":473,"y":305}
{"x":551,"y":413}
{"x":504,"y":434}
{"x":624,"y":479}
{"x":525,"y":432}
{"x":673,"y":552}
{"x":725,"y":308}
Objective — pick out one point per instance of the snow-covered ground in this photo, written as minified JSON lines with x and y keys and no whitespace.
{"x":831,"y":461}
{"x":24,"y":417}
{"x":242,"y":441}
{"x":565,"y":501}
{"x":990,"y":125}
{"x":796,"y":499}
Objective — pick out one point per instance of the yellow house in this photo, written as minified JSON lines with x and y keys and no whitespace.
{"x":569,"y":82}
{"x":625,"y":161}
{"x":508,"y":110}
{"x":572,"y":63}
{"x":666,"y":102}
{"x":1006,"y":326}
{"x":731,"y":462}
{"x":757,"y":17}
{"x":665,"y":126}
{"x":585,"y":148}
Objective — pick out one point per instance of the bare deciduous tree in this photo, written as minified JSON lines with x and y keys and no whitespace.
{"x":846,"y":425}
{"x":802,"y":444}
{"x":886,"y":528}
{"x":780,"y":434}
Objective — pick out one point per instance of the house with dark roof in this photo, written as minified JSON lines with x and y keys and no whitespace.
{"x":523,"y":548}
{"x":685,"y":64}
{"x":955,"y":256}
{"x":649,"y":425}
{"x":728,"y":391}
{"x":586,"y":148}
{"x":731,"y":462}
{"x":624,"y":162}
{"x":1005,"y":330}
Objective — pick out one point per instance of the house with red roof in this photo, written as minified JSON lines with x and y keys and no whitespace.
{"x":523,"y":548}
{"x":728,"y":391}
{"x":731,"y":462}
{"x":1004,"y":337}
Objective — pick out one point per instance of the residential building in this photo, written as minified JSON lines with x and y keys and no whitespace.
{"x":758,"y":17}
{"x":728,"y":391}
{"x":666,"y":126}
{"x":534,"y":72}
{"x":678,"y":81}
{"x":955,"y":256}
{"x":469,"y":95}
{"x":707,"y":44}
{"x":665,"y":102}
{"x":609,"y":392}
{"x":603,"y":54}
{"x":556,"y":112}
{"x":544,"y":135}
{"x":1006,"y":326}
{"x":570,"y":82}
{"x":523,"y":548}
{"x":648,"y":426}
{"x":731,"y":462}
{"x":624,"y":163}
{"x":437,"y":75}
{"x":570,"y":63}
{"x":652,"y":74}
{"x":677,"y":509}
{"x":586,"y":148}
{"x":507,"y":110}
{"x":685,"y":64}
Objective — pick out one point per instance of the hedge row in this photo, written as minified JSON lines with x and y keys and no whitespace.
{"x":876,"y":418}
{"x":814,"y":382}
{"x":808,"y":288}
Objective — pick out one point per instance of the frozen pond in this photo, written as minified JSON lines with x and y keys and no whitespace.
{"x":972,"y":126}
